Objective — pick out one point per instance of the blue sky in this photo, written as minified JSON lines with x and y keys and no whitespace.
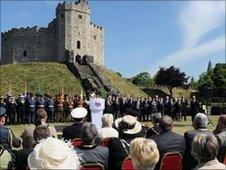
{"x":142,"y":35}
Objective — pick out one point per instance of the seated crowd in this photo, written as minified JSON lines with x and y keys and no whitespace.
{"x":127,"y":139}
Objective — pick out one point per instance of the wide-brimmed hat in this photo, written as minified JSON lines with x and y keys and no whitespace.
{"x":52,"y":153}
{"x":132,"y":126}
{"x":79,"y":112}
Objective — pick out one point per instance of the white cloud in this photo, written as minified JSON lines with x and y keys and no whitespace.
{"x":197,"y":19}
{"x":200,"y":17}
{"x":188,"y":54}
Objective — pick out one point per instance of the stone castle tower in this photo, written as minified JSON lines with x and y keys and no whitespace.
{"x":71,"y":30}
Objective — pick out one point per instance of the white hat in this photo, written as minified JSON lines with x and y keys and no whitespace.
{"x":133,"y":126}
{"x":52,"y":153}
{"x":79,"y":112}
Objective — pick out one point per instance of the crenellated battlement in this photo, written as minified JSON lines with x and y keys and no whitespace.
{"x":71,"y":29}
{"x":96,"y":26}
{"x":79,"y":6}
{"x":22,"y":29}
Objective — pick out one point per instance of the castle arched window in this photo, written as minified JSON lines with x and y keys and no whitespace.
{"x":62,"y":16}
{"x":25,"y":53}
{"x":94,"y":37}
{"x":78,"y":44}
{"x":80,"y":16}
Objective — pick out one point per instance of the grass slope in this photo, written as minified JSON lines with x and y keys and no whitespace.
{"x":122,"y":85}
{"x":48,"y":77}
{"x":39,"y":77}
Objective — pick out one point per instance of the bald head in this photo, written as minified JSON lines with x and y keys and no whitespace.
{"x":166,"y":123}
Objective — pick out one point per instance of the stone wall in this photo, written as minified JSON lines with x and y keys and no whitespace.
{"x":96,"y":43}
{"x":70,"y":30}
{"x":27,"y":45}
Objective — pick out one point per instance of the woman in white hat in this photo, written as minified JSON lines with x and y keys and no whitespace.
{"x":128,"y":128}
{"x":52,"y":153}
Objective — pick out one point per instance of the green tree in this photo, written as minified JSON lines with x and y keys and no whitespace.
{"x":205,"y":81}
{"x":170,"y":77}
{"x":143,"y":79}
{"x":209,"y":67}
{"x":119,"y":74}
{"x":193,"y":83}
{"x":219,"y":76}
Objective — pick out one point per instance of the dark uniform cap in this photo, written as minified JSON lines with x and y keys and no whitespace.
{"x":2,"y":111}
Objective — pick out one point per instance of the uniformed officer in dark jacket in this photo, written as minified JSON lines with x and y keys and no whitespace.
{"x":11,"y":110}
{"x":21,"y":109}
{"x":75,"y":130}
{"x":31,"y":101}
{"x":7,"y":138}
{"x":50,"y":108}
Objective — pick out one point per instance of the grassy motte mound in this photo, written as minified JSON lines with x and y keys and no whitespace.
{"x":48,"y":77}
{"x":122,"y":85}
{"x":39,"y":77}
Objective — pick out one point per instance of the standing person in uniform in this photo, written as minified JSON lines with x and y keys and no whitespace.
{"x":40,"y":102}
{"x":154,"y":107}
{"x":142,"y":110}
{"x":116,"y":106}
{"x":60,"y":107}
{"x":7,"y":138}
{"x":184,"y":105}
{"x":50,"y":108}
{"x":31,"y":108}
{"x":194,"y":107}
{"x":176,"y":109}
{"x":150,"y":109}
{"x":21,"y":109}
{"x":12,"y":111}
{"x":122,"y":105}
{"x":108,"y":105}
{"x":168,"y":106}
{"x":161,"y":106}
{"x":70,"y":105}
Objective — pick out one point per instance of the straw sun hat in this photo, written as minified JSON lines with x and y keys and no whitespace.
{"x":131,"y":124}
{"x":52,"y":153}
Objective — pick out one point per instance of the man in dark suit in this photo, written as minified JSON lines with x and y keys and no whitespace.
{"x":221,"y":136}
{"x":168,"y":141}
{"x":194,"y":107}
{"x":200,"y":126}
{"x":75,"y":131}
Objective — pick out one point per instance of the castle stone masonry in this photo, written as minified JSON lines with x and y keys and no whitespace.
{"x":70,"y":30}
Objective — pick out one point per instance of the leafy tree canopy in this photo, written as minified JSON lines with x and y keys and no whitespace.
{"x":219,"y":76}
{"x":143,"y":79}
{"x":170,"y":77}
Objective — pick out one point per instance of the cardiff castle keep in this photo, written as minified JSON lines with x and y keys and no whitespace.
{"x":70,"y":31}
